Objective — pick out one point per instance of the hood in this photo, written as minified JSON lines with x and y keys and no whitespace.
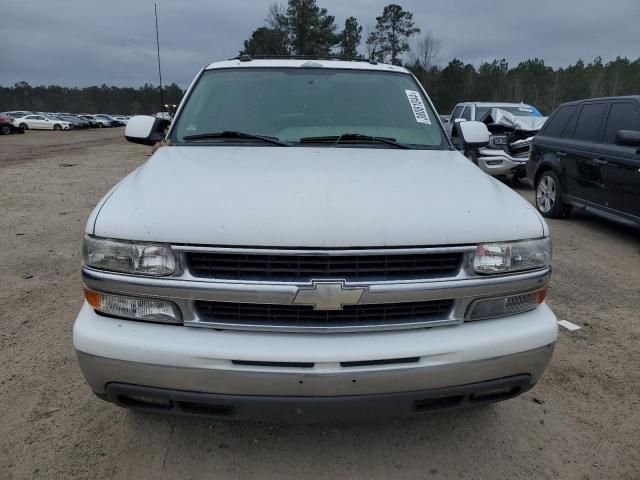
{"x":312,"y":197}
{"x":499,"y":117}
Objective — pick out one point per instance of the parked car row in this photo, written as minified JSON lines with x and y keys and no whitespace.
{"x":22,"y":120}
{"x":586,"y":155}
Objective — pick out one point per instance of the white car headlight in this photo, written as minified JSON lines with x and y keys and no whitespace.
{"x":128,"y":257}
{"x":506,"y":257}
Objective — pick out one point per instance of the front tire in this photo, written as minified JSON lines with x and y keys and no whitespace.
{"x":24,"y":126}
{"x":57,"y":127}
{"x":549,"y":195}
{"x":6,"y":130}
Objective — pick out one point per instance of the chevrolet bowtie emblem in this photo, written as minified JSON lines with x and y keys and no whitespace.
{"x":328,"y":295}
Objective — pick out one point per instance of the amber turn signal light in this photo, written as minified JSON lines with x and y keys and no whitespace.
{"x":93,"y":298}
{"x":541,"y":295}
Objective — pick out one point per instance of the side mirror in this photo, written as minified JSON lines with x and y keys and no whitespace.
{"x":145,"y":129}
{"x":628,"y":138}
{"x":459,"y":119}
{"x":471,"y":134}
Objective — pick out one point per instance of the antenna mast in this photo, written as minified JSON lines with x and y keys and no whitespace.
{"x":155,"y":8}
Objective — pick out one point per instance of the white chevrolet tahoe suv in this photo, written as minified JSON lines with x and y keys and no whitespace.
{"x":308,"y":244}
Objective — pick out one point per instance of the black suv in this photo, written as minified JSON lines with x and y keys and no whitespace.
{"x":587,"y":156}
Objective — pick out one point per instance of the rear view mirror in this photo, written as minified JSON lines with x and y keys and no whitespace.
{"x":628,"y":138}
{"x":145,"y":129}
{"x":471,"y":134}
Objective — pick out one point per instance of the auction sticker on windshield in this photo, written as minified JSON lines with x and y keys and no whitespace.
{"x":417,"y":105}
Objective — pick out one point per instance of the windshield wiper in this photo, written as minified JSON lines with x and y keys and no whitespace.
{"x":234,"y":134}
{"x":354,"y":137}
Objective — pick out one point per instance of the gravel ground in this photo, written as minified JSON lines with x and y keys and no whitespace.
{"x":582,"y":421}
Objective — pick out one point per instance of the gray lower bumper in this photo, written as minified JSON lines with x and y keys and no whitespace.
{"x":100,"y":371}
{"x":315,"y":409}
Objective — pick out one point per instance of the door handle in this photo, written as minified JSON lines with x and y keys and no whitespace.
{"x":599,"y":161}
{"x":561,"y":154}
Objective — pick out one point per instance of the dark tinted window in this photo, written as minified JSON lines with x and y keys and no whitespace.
{"x":555,"y":125}
{"x":570,"y":127}
{"x":588,"y":126}
{"x":622,"y":116}
{"x":467,"y":113}
{"x":456,"y":112}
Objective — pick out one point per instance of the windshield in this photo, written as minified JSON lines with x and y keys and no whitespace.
{"x":519,"y":111}
{"x":290,"y":104}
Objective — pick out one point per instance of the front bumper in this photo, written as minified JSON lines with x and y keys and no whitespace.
{"x":498,"y":162}
{"x":116,"y":351}
{"x":315,"y":409}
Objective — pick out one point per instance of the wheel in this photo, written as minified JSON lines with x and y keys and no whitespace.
{"x":549,"y":196}
{"x":99,"y":125}
{"x":57,"y":127}
{"x":24,"y":126}
{"x":6,"y":130}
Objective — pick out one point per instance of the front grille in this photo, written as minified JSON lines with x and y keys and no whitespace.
{"x":308,"y":267}
{"x":296,"y":316}
{"x":521,"y":150}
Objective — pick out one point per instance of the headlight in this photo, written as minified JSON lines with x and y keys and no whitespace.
{"x":512,"y":256}
{"x":128,"y":257}
{"x":136,"y":308}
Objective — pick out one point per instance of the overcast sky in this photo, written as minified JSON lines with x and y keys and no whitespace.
{"x":88,"y":42}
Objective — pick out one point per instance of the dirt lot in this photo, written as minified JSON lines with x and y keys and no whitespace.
{"x":581,"y":422}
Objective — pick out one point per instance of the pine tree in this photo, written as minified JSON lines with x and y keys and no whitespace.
{"x":350,"y":38}
{"x":393,"y":29}
{"x":266,"y":41}
{"x":311,"y":30}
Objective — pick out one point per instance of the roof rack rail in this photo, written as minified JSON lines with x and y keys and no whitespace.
{"x":247,"y":58}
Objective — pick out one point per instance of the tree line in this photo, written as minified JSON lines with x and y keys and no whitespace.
{"x":102,"y":99}
{"x":530,"y":81}
{"x":302,"y":27}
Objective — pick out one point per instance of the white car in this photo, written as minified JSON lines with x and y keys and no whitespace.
{"x":102,"y":122}
{"x":163,"y":115}
{"x":122,"y":119}
{"x":307,"y":247}
{"x":512,"y":127}
{"x":41,"y":122}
